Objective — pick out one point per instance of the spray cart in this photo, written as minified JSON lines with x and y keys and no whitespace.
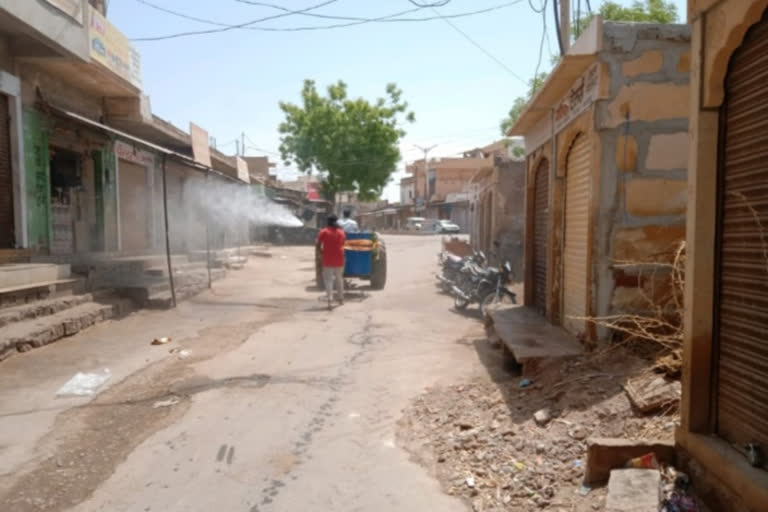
{"x":365,"y":257}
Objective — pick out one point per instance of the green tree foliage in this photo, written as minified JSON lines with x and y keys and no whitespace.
{"x":640,"y":11}
{"x":520,"y":102}
{"x":351,"y":143}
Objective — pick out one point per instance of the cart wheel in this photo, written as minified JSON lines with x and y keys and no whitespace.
{"x":319,"y":272}
{"x":379,"y":270}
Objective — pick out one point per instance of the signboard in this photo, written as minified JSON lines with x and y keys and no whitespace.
{"x":131,"y":154}
{"x":581,"y":95}
{"x":242,"y":170}
{"x":200,"y":148}
{"x":111,"y":49}
{"x":72,"y":8}
{"x":313,"y":191}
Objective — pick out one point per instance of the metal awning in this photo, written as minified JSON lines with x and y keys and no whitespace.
{"x":149,"y":145}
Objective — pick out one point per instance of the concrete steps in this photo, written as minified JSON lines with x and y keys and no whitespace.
{"x":41,"y":308}
{"x":77,"y":313}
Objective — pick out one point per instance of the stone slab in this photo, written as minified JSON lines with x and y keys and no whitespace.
{"x":25,"y":274}
{"x":606,"y":454}
{"x":633,"y":490}
{"x":529,"y":336}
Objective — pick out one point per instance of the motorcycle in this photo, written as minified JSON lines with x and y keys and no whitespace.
{"x":485,"y":287}
{"x":453,"y":266}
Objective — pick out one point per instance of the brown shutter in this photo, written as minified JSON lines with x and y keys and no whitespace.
{"x":7,"y":228}
{"x":134,"y":207}
{"x":741,"y":312}
{"x":540,"y":225}
{"x":577,"y":188}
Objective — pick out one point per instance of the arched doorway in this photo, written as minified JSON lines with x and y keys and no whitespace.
{"x":577,"y":190}
{"x":540,"y":228}
{"x":741,"y":277}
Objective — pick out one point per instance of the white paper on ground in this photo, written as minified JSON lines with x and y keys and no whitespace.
{"x":84,"y":384}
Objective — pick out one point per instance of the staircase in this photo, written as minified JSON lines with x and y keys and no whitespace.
{"x":42,"y":303}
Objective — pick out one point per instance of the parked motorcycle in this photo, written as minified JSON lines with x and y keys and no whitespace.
{"x":484,"y":287}
{"x":452,"y":267}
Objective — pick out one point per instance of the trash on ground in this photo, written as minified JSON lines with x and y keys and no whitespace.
{"x":161,"y":341}
{"x":184,"y":354}
{"x":470,"y":481}
{"x":584,"y":489}
{"x":84,"y":384}
{"x":647,"y":461}
{"x":168,"y":402}
{"x":524,"y":383}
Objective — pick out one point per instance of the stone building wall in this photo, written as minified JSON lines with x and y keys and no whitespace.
{"x":642,"y":121}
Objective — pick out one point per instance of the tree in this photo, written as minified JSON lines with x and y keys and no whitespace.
{"x":641,"y":11}
{"x":521,"y":101}
{"x":351,"y":143}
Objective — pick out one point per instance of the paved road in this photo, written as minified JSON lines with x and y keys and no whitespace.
{"x":281,"y":405}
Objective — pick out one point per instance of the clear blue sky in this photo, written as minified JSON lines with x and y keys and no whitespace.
{"x":231,"y":82}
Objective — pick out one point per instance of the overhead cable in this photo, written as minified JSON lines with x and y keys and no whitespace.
{"x":395,"y":17}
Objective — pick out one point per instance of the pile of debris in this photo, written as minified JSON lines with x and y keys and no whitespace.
{"x":522,"y":444}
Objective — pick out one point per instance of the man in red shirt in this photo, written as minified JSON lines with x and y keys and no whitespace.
{"x":330,"y":241}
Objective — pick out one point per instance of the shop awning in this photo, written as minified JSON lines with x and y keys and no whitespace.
{"x":149,"y":145}
{"x":567,"y":71}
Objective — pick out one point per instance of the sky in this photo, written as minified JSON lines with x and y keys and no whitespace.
{"x":231,"y":82}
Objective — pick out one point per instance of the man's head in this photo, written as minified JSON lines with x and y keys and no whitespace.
{"x":333,"y":221}
{"x":347,"y":213}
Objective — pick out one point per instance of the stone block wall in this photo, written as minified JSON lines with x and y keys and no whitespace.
{"x":642,"y":121}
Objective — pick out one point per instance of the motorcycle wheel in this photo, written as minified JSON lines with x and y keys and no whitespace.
{"x":459,"y":303}
{"x":492,"y":300}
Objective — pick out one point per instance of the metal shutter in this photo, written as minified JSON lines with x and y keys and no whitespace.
{"x":134,"y":207}
{"x":540,"y":226}
{"x":7,"y":228}
{"x":577,"y":189}
{"x":741,"y":311}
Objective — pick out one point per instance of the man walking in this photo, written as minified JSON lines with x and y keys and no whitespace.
{"x":330,"y":242}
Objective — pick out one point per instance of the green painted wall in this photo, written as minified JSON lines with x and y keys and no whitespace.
{"x":37,"y":179}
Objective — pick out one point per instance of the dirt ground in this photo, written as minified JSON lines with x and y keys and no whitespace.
{"x":393,"y":401}
{"x":480,"y":438}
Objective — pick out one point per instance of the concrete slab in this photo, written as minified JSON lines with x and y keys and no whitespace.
{"x":23,"y":274}
{"x":529,"y":336}
{"x":606,"y":454}
{"x":633,"y":490}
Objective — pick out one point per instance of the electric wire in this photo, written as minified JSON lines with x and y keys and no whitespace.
{"x":481,"y":48}
{"x":395,"y":17}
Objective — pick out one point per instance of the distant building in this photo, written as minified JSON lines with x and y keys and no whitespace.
{"x":407,"y":190}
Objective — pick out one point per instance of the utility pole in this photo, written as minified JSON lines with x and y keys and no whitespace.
{"x":237,"y":147}
{"x":242,"y":143}
{"x":565,"y":24}
{"x":426,"y":177}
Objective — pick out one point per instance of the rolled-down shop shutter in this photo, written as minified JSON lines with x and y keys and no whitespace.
{"x":741,"y":311}
{"x":577,"y":189}
{"x":134,"y":207}
{"x":540,"y":225}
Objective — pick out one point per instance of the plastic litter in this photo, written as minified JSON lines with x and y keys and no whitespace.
{"x":84,"y":384}
{"x":470,"y":481}
{"x":577,"y":463}
{"x":161,"y":341}
{"x":647,"y":461}
{"x":184,"y":354}
{"x":524,"y":383}
{"x":584,"y":489}
{"x":166,"y":403}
